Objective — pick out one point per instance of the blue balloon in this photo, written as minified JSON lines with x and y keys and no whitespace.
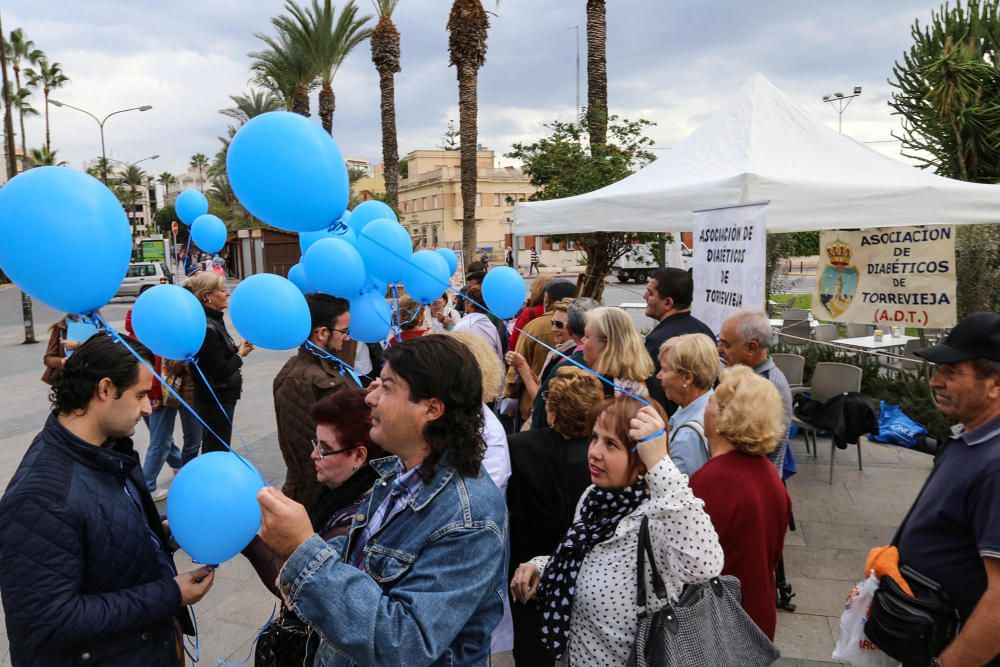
{"x":297,"y":274}
{"x":386,"y":249}
{"x":169,"y":321}
{"x":209,"y":233}
{"x":189,"y":205}
{"x":427,"y":277}
{"x":450,"y":258}
{"x":334,"y":266}
{"x":64,"y":238}
{"x":212,"y":507}
{"x":270,"y":312}
{"x":287,"y":171}
{"x":504,"y":292}
{"x":373,"y":284}
{"x":371,"y":318}
{"x":367,"y":211}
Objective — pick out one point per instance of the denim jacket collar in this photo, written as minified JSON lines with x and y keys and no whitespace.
{"x":443,"y":473}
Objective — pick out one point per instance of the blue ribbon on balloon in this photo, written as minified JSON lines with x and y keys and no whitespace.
{"x":344,"y":366}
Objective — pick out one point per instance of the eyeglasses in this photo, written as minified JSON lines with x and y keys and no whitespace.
{"x":323,"y":453}
{"x":545,"y":396}
{"x":558,"y":324}
{"x":345,"y":331}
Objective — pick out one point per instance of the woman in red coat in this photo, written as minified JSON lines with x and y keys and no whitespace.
{"x":743,"y":495}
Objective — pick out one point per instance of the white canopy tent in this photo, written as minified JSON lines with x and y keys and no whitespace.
{"x":761,"y":146}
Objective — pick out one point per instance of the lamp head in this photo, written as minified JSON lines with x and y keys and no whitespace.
{"x":154,"y":157}
{"x":826,"y":98}
{"x":857,"y":90}
{"x":839,"y":94}
{"x":144,"y":107}
{"x":55,"y":102}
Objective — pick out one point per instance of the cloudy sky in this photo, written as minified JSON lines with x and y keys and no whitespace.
{"x":670,"y":62}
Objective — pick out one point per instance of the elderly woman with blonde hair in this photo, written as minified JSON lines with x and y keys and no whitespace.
{"x":748,"y":504}
{"x":612,"y":347}
{"x":689,"y":367}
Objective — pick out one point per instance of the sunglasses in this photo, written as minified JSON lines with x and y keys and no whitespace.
{"x":558,"y":324}
{"x":323,"y":453}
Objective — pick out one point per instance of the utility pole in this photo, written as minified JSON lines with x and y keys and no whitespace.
{"x":841,"y":101}
{"x":8,"y":138}
{"x":577,"y":28}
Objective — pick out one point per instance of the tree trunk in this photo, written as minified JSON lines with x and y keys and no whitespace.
{"x":468,"y":75}
{"x":597,"y":74}
{"x":327,"y":102}
{"x":24,"y":143}
{"x":300,"y":100}
{"x":591,"y":282}
{"x":48,"y":137}
{"x":390,"y":149}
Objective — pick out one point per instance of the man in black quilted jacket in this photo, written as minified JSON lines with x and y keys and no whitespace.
{"x":86,"y":573}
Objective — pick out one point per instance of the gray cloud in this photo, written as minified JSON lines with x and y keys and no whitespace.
{"x":673,"y":63}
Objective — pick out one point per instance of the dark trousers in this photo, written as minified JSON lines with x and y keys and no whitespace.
{"x":528,"y":647}
{"x":218,"y":422}
{"x":533,"y":267}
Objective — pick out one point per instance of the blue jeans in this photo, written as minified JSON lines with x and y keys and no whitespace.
{"x":161,"y":442}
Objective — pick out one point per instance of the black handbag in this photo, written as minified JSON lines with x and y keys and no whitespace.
{"x":912,"y":629}
{"x":283,"y":643}
{"x":706,"y":626}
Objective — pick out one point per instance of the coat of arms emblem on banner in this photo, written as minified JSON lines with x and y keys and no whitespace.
{"x":839,"y":280}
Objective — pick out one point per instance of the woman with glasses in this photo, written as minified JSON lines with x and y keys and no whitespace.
{"x":341,"y":452}
{"x":220,"y":361}
{"x":564,"y":343}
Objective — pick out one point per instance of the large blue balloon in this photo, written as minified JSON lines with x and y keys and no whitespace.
{"x":367,"y":211}
{"x":287,"y":171}
{"x":450,"y":258}
{"x":169,"y":321}
{"x":189,"y":205}
{"x":64,"y":238}
{"x":334,"y":266}
{"x":209,"y":233}
{"x":270,"y":312}
{"x":212,"y":507}
{"x":306,"y":239}
{"x":386,"y":249}
{"x":504,"y":292}
{"x":373,"y":284}
{"x":427,"y":278}
{"x":297,"y":274}
{"x":371,"y":318}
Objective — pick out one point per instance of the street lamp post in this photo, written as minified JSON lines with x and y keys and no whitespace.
{"x":841,"y":102}
{"x":100,"y":124}
{"x":127,"y":165}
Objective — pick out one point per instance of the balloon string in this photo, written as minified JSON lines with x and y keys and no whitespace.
{"x":320,"y":352}
{"x":95,"y":318}
{"x":260,"y":633}
{"x":192,"y":644}
{"x":617,"y":388}
{"x":187,"y":254}
{"x":395,"y":312}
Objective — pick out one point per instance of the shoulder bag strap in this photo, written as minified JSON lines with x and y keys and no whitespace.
{"x":699,"y":428}
{"x":645,"y":547}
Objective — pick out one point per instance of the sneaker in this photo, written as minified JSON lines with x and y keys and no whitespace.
{"x":159,"y":494}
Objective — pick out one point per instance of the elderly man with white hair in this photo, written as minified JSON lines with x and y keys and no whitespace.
{"x":745,"y":338}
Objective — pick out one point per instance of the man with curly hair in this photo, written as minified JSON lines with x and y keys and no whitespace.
{"x":420,"y":577}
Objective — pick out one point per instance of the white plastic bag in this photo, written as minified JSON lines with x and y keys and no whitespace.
{"x":854,"y":647}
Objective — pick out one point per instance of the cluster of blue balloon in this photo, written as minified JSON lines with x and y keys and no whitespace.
{"x":208,"y":232}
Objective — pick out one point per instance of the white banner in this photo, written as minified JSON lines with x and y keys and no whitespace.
{"x":729,"y":249}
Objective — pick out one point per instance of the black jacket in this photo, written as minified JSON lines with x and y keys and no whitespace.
{"x":548,"y":475}
{"x":846,"y":416}
{"x":82,"y":578}
{"x":220,"y":361}
{"x":675,"y":325}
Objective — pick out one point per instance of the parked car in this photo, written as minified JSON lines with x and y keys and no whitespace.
{"x":639,"y":263}
{"x":143,"y":275}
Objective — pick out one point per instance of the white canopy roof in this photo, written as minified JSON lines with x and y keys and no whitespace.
{"x":761,"y":146}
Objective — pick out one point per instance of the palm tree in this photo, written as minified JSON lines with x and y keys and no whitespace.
{"x":43,"y":157}
{"x":329,"y":40}
{"x":20,"y":102}
{"x":22,"y":49}
{"x":134,"y":177}
{"x":166,"y":180}
{"x":50,"y":76}
{"x":199,"y":161}
{"x":467,"y":27}
{"x":100,"y":167}
{"x":597,"y":73}
{"x":285,"y":68}
{"x":251,"y":104}
{"x":385,"y":55}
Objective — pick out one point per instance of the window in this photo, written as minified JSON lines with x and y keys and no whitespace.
{"x":521,"y":245}
{"x":569,"y":245}
{"x":479,"y":199}
{"x":556,"y":245}
{"x":437,"y":201}
{"x":496,"y":199}
{"x":423,"y":204}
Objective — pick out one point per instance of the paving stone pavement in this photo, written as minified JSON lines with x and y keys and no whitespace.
{"x":835,"y":524}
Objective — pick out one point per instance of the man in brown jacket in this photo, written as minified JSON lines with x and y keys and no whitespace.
{"x":304,"y":379}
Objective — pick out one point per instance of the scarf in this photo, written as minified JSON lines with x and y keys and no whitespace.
{"x":600,"y":514}
{"x":332,"y":500}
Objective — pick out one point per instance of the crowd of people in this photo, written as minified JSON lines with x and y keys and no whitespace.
{"x":472,"y":486}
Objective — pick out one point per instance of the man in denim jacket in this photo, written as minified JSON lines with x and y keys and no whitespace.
{"x":420,"y":577}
